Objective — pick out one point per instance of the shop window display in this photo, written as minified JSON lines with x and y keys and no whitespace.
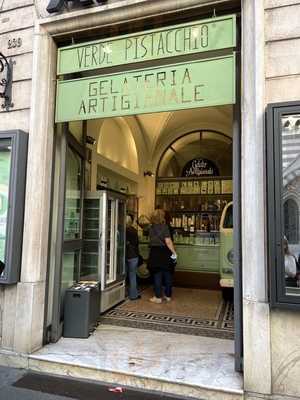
{"x":283,"y":154}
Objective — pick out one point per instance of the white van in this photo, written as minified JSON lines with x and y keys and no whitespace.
{"x":226,"y":251}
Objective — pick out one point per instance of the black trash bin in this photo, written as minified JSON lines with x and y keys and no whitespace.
{"x":81,"y":309}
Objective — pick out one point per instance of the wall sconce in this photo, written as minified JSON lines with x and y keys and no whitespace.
{"x":148,"y":173}
{"x":90,"y":140}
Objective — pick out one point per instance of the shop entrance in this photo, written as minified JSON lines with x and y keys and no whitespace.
{"x":190,"y":178}
{"x":165,"y":137}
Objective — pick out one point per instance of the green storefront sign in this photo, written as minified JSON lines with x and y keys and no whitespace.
{"x":202,"y":83}
{"x":192,"y":38}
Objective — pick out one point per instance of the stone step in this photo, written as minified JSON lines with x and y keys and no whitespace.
{"x":110,"y":377}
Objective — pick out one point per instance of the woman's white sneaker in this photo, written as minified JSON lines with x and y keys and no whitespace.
{"x":168,"y":299}
{"x":155,"y":299}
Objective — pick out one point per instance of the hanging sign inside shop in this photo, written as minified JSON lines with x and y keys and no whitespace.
{"x":197,"y":37}
{"x":200,"y":83}
{"x":200,"y":167}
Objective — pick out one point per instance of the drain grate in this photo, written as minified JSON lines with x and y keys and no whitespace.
{"x":82,"y":390}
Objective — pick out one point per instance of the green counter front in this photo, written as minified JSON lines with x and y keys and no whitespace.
{"x":193,"y":257}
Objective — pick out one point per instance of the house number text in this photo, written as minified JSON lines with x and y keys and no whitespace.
{"x":13,"y":43}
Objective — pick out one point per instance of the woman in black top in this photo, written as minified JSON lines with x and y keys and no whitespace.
{"x":160,"y":257}
{"x":132,"y":257}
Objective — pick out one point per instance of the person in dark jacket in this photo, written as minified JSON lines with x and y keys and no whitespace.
{"x":132,"y":257}
{"x":161,"y":254}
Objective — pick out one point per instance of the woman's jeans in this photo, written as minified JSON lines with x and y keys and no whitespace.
{"x":160,"y":278}
{"x":132,"y":265}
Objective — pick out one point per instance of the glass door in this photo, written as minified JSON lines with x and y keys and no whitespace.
{"x":113,"y":239}
{"x":110,"y":275}
{"x":68,"y":232}
{"x":120,"y":240}
{"x":73,"y":202}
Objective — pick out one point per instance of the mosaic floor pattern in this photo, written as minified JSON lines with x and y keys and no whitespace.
{"x":191,"y":311}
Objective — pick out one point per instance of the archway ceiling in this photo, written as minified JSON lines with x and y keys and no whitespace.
{"x":157,"y":127}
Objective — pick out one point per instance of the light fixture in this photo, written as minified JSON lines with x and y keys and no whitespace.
{"x":148,"y":173}
{"x":90,"y":140}
{"x":286,"y":124}
{"x":297,"y":124}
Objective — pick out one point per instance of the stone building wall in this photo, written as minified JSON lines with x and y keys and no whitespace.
{"x":282,"y":83}
{"x":282,"y":74}
{"x":17,"y":18}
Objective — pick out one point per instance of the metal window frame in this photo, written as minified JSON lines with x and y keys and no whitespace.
{"x":277,"y":294}
{"x":16,"y":200}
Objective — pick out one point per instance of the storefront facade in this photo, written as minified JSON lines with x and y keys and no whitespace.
{"x":269,"y":34}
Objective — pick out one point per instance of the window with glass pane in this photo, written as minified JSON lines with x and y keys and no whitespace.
{"x":72,"y":197}
{"x":91,"y":236}
{"x":110,"y":241}
{"x":121,"y":238}
{"x":283,"y":154}
{"x":5,"y":161}
{"x":290,"y":147}
{"x":70,"y":270}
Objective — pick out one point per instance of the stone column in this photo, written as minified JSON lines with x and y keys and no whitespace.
{"x":257,"y":352}
{"x":30,"y":302}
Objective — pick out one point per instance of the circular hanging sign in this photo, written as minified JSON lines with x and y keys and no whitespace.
{"x":200,"y":167}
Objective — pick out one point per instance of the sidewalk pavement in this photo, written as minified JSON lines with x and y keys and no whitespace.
{"x":18,"y":384}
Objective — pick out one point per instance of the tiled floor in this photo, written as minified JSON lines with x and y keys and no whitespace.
{"x":191,"y":311}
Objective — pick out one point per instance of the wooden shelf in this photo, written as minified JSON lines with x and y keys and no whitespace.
{"x":195,"y":194}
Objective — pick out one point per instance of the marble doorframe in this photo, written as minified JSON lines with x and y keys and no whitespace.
{"x":32,"y":288}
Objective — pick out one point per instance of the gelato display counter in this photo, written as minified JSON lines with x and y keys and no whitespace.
{"x":196,"y":253}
